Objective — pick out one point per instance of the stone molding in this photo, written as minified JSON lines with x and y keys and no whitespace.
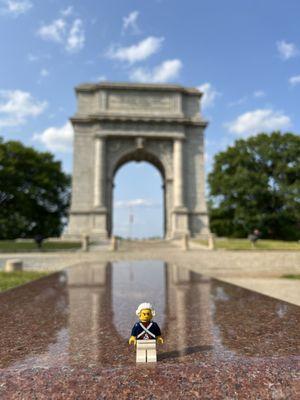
{"x":91,"y":118}
{"x":88,"y":87}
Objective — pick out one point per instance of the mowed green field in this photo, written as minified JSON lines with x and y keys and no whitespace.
{"x":11,"y":246}
{"x":9,"y":280}
{"x":244,"y":244}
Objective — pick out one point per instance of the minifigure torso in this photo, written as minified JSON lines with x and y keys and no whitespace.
{"x":139,"y":332}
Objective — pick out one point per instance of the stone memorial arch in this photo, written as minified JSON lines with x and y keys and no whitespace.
{"x":121,"y":122}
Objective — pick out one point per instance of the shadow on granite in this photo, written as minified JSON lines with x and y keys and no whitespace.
{"x":65,"y":336}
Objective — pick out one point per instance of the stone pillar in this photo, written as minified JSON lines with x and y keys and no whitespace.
{"x":100,"y":212}
{"x":180,"y":212}
{"x":178,"y":172}
{"x":13,"y":265}
{"x":169,"y":199}
{"x":99,"y":173}
{"x":85,"y":243}
{"x":114,"y":243}
{"x":109,"y":205}
{"x":211,"y":241}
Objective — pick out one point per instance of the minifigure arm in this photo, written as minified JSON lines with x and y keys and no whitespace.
{"x":132,"y":340}
{"x":157,"y":332}
{"x":159,"y":340}
{"x":134,"y":333}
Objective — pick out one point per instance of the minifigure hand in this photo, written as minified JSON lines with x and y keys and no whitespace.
{"x":160,"y":340}
{"x":132,"y":340}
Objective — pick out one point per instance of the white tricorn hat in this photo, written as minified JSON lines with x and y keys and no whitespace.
{"x":144,"y":306}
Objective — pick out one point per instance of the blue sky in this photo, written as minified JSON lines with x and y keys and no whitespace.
{"x":244,"y":55}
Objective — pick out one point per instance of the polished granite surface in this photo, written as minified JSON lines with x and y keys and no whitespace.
{"x":66,"y":337}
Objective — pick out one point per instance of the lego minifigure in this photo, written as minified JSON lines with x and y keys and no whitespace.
{"x":145,"y":334}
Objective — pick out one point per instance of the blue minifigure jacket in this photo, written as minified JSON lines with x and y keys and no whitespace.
{"x":145,"y":331}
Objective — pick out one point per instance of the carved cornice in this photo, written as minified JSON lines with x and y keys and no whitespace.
{"x":91,"y":118}
{"x":91,"y":87}
{"x":146,"y":135}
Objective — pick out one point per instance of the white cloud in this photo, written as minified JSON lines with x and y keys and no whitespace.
{"x":137,"y":52}
{"x":54,"y":32}
{"x":76,"y":37}
{"x":36,"y":58}
{"x":287,"y":50}
{"x":164,"y":72}
{"x":259,"y":93}
{"x":15,"y":7}
{"x":261,"y":120}
{"x":32,"y":57}
{"x":57,"y":139}
{"x":238,"y":102}
{"x":17,"y":106}
{"x":210,"y":94}
{"x":130,"y":22}
{"x":295,"y":80}
{"x":70,"y":34}
{"x":101,"y":78}
{"x":66,"y":12}
{"x":136,"y":203}
{"x":208,"y":158}
{"x":44,"y":72}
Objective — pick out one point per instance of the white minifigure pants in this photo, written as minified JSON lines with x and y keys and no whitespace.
{"x":146,"y":351}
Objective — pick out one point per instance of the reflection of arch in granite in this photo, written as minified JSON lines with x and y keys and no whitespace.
{"x":139,"y":155}
{"x":95,"y":326}
{"x":189,"y":313}
{"x":96,"y":319}
{"x":91,"y":329}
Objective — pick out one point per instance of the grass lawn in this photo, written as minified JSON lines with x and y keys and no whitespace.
{"x":291,"y":276}
{"x":244,"y":244}
{"x":9,"y":280}
{"x":10,"y":246}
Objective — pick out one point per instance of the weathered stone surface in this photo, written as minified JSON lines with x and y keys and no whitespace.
{"x":118,"y":123}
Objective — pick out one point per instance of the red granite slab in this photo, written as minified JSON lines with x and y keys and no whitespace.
{"x":65,"y":337}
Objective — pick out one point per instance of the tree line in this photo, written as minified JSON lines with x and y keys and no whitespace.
{"x":254,"y":184}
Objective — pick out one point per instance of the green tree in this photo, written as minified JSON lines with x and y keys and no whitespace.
{"x":256,"y":184}
{"x":34,"y":192}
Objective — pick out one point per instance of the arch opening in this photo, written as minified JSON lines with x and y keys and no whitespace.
{"x":138,"y":197}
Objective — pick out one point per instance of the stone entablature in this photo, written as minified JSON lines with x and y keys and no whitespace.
{"x":138,"y":99}
{"x":117,"y":123}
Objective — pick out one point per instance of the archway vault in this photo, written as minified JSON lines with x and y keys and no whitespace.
{"x":117,"y":123}
{"x":138,"y":155}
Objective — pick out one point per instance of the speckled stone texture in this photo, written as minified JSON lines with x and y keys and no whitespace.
{"x":65,"y":337}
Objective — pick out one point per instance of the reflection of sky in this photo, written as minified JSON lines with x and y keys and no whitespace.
{"x":134,"y":283}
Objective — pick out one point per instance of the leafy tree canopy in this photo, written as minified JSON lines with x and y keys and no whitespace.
{"x":256,"y":184}
{"x":34,"y":192}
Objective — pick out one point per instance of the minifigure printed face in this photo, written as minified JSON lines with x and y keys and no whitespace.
{"x":145,"y":315}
